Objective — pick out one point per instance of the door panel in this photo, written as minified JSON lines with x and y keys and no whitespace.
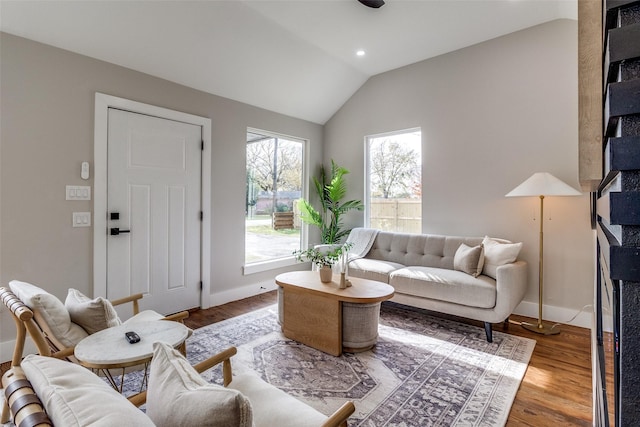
{"x":153,"y":183}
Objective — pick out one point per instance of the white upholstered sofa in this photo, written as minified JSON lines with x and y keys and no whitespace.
{"x":472,"y":277}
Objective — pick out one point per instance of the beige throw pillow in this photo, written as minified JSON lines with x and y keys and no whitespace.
{"x":469,"y":259}
{"x":498,"y":252}
{"x":178,"y":396}
{"x":50,"y":313}
{"x":92,"y":314}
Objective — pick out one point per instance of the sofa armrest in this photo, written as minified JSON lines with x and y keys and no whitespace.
{"x":511,"y":285}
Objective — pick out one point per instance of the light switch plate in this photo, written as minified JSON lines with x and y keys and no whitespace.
{"x":82,"y":219}
{"x":78,"y":192}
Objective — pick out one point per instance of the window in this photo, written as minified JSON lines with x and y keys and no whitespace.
{"x":394,"y":181}
{"x":275,"y":166}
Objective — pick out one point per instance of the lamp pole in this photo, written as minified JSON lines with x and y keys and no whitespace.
{"x":540,"y":328}
{"x":542,"y":184}
{"x":541,"y":263}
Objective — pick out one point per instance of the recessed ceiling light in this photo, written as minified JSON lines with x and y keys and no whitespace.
{"x":360,"y":52}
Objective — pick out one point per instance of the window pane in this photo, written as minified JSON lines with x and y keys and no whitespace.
{"x":395,"y":181}
{"x":274,"y":183}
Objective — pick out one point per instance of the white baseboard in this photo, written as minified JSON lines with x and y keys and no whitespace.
{"x":567,"y":316}
{"x":219,"y":298}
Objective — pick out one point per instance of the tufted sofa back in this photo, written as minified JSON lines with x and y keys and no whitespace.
{"x":428,"y":250}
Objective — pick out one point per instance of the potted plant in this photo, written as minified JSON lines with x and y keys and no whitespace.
{"x":323,"y":259}
{"x":331,"y":190}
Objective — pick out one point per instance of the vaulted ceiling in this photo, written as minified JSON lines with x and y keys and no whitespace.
{"x":296,"y":57}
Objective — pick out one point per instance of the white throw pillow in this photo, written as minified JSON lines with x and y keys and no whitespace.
{"x":469,"y":259}
{"x":92,"y":314}
{"x":73,"y":396}
{"x":50,"y":313}
{"x":498,"y":252}
{"x":178,"y":396}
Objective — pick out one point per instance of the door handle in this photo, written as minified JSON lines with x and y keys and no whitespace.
{"x":115,"y":231}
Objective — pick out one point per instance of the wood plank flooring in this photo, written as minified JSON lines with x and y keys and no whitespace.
{"x":556,"y":389}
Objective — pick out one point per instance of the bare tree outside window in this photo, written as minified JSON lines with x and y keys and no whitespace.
{"x":395,"y":181}
{"x":395,"y":169}
{"x":274,"y":183}
{"x":275,"y":165}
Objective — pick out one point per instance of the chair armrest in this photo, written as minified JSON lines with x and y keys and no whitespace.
{"x":340,"y":416}
{"x":64,"y":353}
{"x":138,"y":399}
{"x":177,"y":317}
{"x":223,"y":357}
{"x":131,"y":298}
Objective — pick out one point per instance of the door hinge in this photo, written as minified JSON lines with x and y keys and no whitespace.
{"x":202,"y":145}
{"x":201,"y":285}
{"x":201,"y":215}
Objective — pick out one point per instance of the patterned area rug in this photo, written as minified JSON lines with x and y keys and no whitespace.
{"x":424,"y":371}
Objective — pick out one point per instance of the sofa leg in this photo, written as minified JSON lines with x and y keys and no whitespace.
{"x":489,"y":331}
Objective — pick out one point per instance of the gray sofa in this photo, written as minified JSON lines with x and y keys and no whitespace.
{"x":420,"y":267}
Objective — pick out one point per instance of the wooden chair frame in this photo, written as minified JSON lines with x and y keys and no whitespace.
{"x":24,"y":407}
{"x":26,"y":323}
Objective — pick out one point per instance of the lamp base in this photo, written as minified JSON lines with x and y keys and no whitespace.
{"x":541,"y":329}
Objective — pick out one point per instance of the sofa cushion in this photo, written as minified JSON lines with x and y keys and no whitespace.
{"x":50,"y":313}
{"x":373,"y":269}
{"x":178,"y":396}
{"x":469,"y":259}
{"x":74,"y":396}
{"x":445,"y":285}
{"x":427,"y":250}
{"x":92,"y":315}
{"x":273,"y":407}
{"x":498,"y":252}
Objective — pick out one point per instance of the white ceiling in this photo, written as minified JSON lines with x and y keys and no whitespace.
{"x":295,"y":57}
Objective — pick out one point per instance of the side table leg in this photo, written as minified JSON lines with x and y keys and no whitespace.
{"x":145,"y":377}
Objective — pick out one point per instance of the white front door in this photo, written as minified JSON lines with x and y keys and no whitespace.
{"x":153,"y":210}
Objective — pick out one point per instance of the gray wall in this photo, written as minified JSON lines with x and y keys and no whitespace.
{"x":491,"y":115}
{"x":47,"y":107}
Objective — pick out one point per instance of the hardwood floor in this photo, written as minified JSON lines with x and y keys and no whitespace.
{"x":556,"y":389}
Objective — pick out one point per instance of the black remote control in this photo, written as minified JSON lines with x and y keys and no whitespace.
{"x":132,"y":337}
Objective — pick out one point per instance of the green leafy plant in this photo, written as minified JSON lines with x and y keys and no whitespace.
{"x":322,"y":257}
{"x":331,"y":190}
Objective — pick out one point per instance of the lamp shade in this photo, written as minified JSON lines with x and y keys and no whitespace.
{"x":543,"y":184}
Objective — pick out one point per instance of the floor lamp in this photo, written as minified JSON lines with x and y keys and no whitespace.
{"x":542,"y":184}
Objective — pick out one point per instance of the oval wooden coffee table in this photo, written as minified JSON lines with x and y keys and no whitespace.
{"x":327,"y":318}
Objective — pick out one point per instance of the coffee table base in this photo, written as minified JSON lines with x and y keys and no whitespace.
{"x":359,"y":326}
{"x":316,"y":323}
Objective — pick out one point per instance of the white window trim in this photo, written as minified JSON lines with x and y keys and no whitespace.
{"x":276,"y":263}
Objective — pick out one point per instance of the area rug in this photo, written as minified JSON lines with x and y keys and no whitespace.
{"x":424,"y":370}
